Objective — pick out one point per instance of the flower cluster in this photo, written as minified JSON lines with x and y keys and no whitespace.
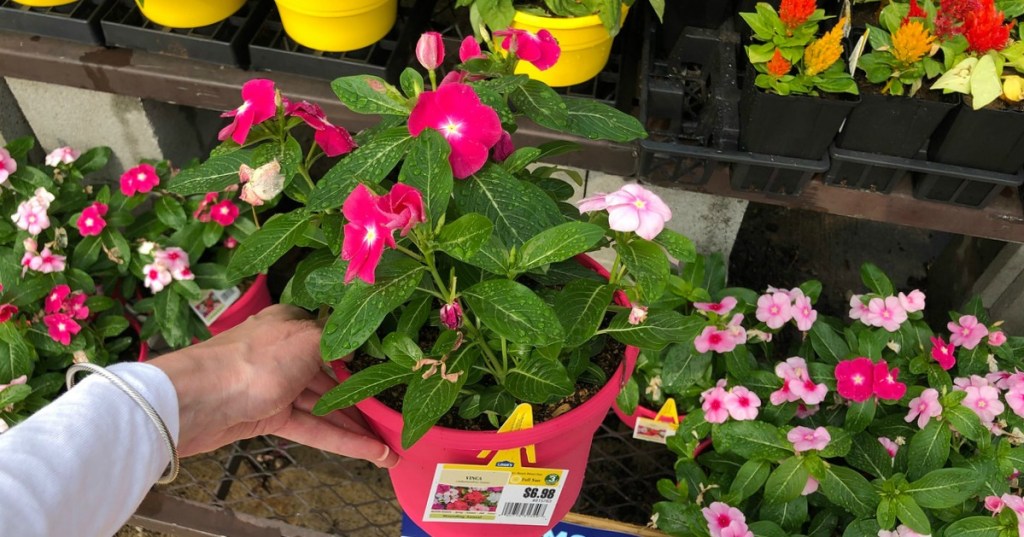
{"x":886,"y":312}
{"x":45,"y":261}
{"x":719,"y":405}
{"x":168,"y":264}
{"x":779,"y":66}
{"x":986,"y":29}
{"x":541,"y":48}
{"x":825,"y":51}
{"x":631,"y":208}
{"x":212,"y":208}
{"x":797,"y":385}
{"x":372,"y":221}
{"x":454,"y":498}
{"x":778,"y":306}
{"x":62,"y":308}
{"x":722,"y":340}
{"x":726,"y":521}
{"x":860,"y":378}
{"x":31,"y":215}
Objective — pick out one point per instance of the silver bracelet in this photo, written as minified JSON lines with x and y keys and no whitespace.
{"x":161,"y":427}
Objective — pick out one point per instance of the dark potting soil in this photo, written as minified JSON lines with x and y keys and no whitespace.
{"x":866,"y":86}
{"x":608,"y":360}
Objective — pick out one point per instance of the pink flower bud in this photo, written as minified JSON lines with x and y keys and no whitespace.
{"x":451,"y":315}
{"x":430,"y":50}
{"x":470,"y":50}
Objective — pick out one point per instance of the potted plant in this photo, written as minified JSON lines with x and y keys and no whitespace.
{"x":410,"y":262}
{"x":187,"y":13}
{"x":895,"y":446}
{"x":56,"y":307}
{"x":582,"y":30}
{"x":337,"y":25}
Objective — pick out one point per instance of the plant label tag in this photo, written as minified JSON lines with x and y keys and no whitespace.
{"x":494,"y":495}
{"x":214,"y":302}
{"x":652,"y":430}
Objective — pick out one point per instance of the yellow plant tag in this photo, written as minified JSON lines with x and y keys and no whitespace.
{"x":664,"y":424}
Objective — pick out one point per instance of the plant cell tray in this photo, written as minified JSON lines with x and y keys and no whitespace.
{"x":78,"y":21}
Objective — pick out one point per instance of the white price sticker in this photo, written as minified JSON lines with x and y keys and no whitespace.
{"x":490,"y":495}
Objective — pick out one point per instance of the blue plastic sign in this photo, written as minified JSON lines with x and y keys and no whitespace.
{"x":562,"y":529}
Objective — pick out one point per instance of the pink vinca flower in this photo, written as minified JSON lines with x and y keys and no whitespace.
{"x":261,"y":184}
{"x":713,"y":404}
{"x":91,"y":222}
{"x":470,"y":127}
{"x":140,"y":179}
{"x":62,"y":155}
{"x":713,"y":339}
{"x":961,"y":383}
{"x":774,"y":309}
{"x":805,"y":438}
{"x":804,"y":313}
{"x":404,"y":207}
{"x":890,"y":447}
{"x":333,"y":140}
{"x":884,"y":383}
{"x":75,"y":306}
{"x":637,"y":315}
{"x":735,"y":329}
{"x":504,"y":148}
{"x":984,"y":402}
{"x":808,"y":391}
{"x":944,"y":354}
{"x":811,"y":487}
{"x":259,"y":103}
{"x":7,"y":311}
{"x":924,"y":407}
{"x":804,"y":411}
{"x":224,"y":213}
{"x":725,"y":521}
{"x":156,"y":277}
{"x":994,"y":504}
{"x":202,"y":212}
{"x":855,"y":379}
{"x":912,"y":302}
{"x":1015,"y":398}
{"x":173,"y":258}
{"x":230,"y":243}
{"x":61,"y":327}
{"x":997,"y":338}
{"x":887,"y":314}
{"x":721,"y":308}
{"x":365,"y":235}
{"x":7,"y":165}
{"x":430,"y":50}
{"x":742,"y":404}
{"x":858,"y":309}
{"x":31,"y":216}
{"x":48,"y":262}
{"x":469,"y":49}
{"x":631,"y":208}
{"x":541,"y":48}
{"x":966,"y":333}
{"x":55,"y":300}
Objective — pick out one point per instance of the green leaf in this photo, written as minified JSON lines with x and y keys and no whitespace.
{"x":363,"y":384}
{"x":428,"y":399}
{"x":683,"y":366}
{"x":497,"y":13}
{"x":660,"y":329}
{"x":580,"y":307}
{"x":749,"y":479}
{"x":751,"y":440}
{"x":326,"y":285}
{"x":986,"y":85}
{"x":411,"y":82}
{"x":859,"y":416}
{"x":678,"y":245}
{"x":912,"y":515}
{"x":767,"y":528}
{"x":867,"y":454}
{"x":541,"y":104}
{"x":828,"y":344}
{"x":849,"y":490}
{"x":402,"y":349}
{"x":261,"y":249}
{"x":876,"y":280}
{"x":86,"y":252}
{"x":514,"y":312}
{"x":363,"y":307}
{"x":92,"y":160}
{"x":367,"y":94}
{"x":646,"y":264}
{"x":14,"y":394}
{"x":629,"y":397}
{"x":558,"y":244}
{"x":414,"y":315}
{"x":15,"y":354}
{"x":518,"y":210}
{"x":428,"y":170}
{"x":966,"y":422}
{"x":463,"y":238}
{"x":945,"y":487}
{"x":598,"y":121}
{"x":839,"y":446}
{"x":885,"y":515}
{"x":790,"y":515}
{"x":787,"y":481}
{"x":170,"y":212}
{"x":214,"y":175}
{"x":538,"y":380}
{"x":929,"y":449}
{"x":369,"y":164}
{"x":824,"y":524}
{"x":521,"y":158}
{"x":110,"y":326}
{"x":975,"y":526}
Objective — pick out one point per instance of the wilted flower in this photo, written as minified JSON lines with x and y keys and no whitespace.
{"x":261,"y":184}
{"x":637,"y":315}
{"x":333,"y":140}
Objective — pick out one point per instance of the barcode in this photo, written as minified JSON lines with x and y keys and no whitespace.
{"x":524,"y":509}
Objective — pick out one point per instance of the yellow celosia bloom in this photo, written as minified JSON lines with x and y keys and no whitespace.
{"x":825,"y":51}
{"x":911,"y":42}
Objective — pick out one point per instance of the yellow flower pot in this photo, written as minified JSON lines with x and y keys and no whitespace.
{"x":188,"y":13}
{"x":585,"y":45}
{"x":337,"y":25}
{"x":44,"y":3}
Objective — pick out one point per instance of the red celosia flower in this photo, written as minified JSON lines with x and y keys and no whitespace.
{"x":91,"y":222}
{"x":404,"y":207}
{"x":949,"y":21}
{"x":915,"y":11}
{"x":855,"y":379}
{"x":365,"y":235}
{"x":61,"y":327}
{"x":332,"y":139}
{"x":470,"y":126}
{"x":259,"y":104}
{"x":779,"y":66}
{"x":796,"y":12}
{"x":224,"y":213}
{"x":885,"y":385}
{"x":541,"y":48}
{"x":984,"y":28}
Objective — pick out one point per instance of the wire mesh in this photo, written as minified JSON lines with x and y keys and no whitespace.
{"x":274,"y":479}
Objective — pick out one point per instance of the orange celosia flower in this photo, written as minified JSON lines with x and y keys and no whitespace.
{"x":779,"y":66}
{"x":824,"y":51}
{"x":911,"y":42}
{"x":796,"y":12}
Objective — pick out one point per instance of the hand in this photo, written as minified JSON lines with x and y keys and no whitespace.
{"x":263,"y":377}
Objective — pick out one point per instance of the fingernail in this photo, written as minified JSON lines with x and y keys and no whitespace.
{"x":383,"y":462}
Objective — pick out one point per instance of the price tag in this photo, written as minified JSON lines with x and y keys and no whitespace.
{"x":214,"y":302}
{"x":662,"y":426}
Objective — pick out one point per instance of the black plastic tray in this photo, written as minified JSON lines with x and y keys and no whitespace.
{"x":223,"y":43}
{"x":272,"y":50}
{"x":78,"y":21}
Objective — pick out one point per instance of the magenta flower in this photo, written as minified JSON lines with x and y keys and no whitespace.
{"x":742,"y":404}
{"x":61,"y":327}
{"x":540,"y":49}
{"x":365,"y":235}
{"x":721,"y":308}
{"x":1015,"y":398}
{"x":924,"y":407}
{"x":637,"y":315}
{"x":713,"y":404}
{"x":230,"y":243}
{"x":202,"y":212}
{"x":713,"y":339}
{"x":75,"y":306}
{"x":803,"y":313}
{"x":261,"y":184}
{"x":984,"y":402}
{"x":504,"y":148}
{"x":55,"y":300}
{"x":997,"y":338}
{"x":855,"y":379}
{"x":887,"y":314}
{"x":333,"y":140}
{"x":259,"y":103}
{"x":811,"y":487}
{"x":884,"y":382}
{"x":805,"y":411}
{"x":890,"y":447}
{"x":156,"y":277}
{"x":858,"y":309}
{"x":451,"y":315}
{"x":913,"y":302}
{"x":91,"y":222}
{"x":404,"y":207}
{"x":966,"y":333}
{"x":725,"y":521}
{"x":631,"y":208}
{"x":7,"y":165}
{"x":774,"y":309}
{"x":469,"y":49}
{"x":430,"y":50}
{"x":805,"y":438}
{"x":61,"y":155}
{"x":141,"y":179}
{"x":471,"y":127}
{"x":224,"y":213}
{"x":944,"y":354}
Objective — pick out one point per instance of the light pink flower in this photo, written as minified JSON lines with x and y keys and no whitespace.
{"x":16,"y":382}
{"x":994,"y":504}
{"x":735,"y":329}
{"x":1015,"y":503}
{"x":637,"y":315}
{"x":470,"y":127}
{"x":924,"y":408}
{"x":808,"y":391}
{"x":182,"y":273}
{"x":855,"y":379}
{"x":803,"y":313}
{"x":725,"y":521}
{"x":913,"y":302}
{"x":631,"y":208}
{"x":984,"y":402}
{"x":713,"y":339}
{"x":61,"y":155}
{"x":774,"y":309}
{"x":173,"y":258}
{"x":261,"y":184}
{"x":966,"y":333}
{"x":890,"y":447}
{"x":944,"y":354}
{"x":858,"y":309}
{"x":999,"y":379}
{"x":785,"y":393}
{"x":46,"y":262}
{"x":884,"y":383}
{"x":713,"y":402}
{"x":140,"y":179}
{"x":805,"y":438}
{"x":469,"y":49}
{"x":7,"y":165}
{"x":259,"y":103}
{"x":91,"y":222}
{"x":31,"y":217}
{"x":333,"y":140}
{"x":887,"y":314}
{"x":430,"y":50}
{"x":795,"y":367}
{"x":811,"y":487}
{"x":996,"y":338}
{"x":1015,"y":398}
{"x":61,"y":327}
{"x":742,"y":404}
{"x":540,"y":49}
{"x":721,"y":308}
{"x":156,"y":277}
{"x":961,"y":383}
{"x":224,"y":213}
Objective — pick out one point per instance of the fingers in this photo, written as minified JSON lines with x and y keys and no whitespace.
{"x":321,"y":434}
{"x":283,"y":312}
{"x":343,"y":420}
{"x":323,"y":384}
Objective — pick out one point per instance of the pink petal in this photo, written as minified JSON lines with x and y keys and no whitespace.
{"x":467,"y":157}
{"x":623,"y":218}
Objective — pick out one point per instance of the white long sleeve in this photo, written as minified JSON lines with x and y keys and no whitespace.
{"x":82,"y":465}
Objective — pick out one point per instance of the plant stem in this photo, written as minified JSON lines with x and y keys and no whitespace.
{"x":255,"y":217}
{"x":410,"y":253}
{"x":433,"y":80}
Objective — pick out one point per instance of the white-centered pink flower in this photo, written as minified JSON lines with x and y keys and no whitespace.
{"x":61,"y":155}
{"x":725,"y":521}
{"x":924,"y":407}
{"x":7,"y":165}
{"x":713,"y":404}
{"x":806,"y":439}
{"x":742,"y":404}
{"x":811,"y":487}
{"x":858,"y":309}
{"x":804,"y":313}
{"x":912,"y":302}
{"x":962,"y":383}
{"x":774,"y":309}
{"x":156,"y":277}
{"x":807,"y":390}
{"x":890,"y":447}
{"x":721,"y":308}
{"x":997,"y":338}
{"x":887,"y":313}
{"x":967,"y":332}
{"x":631,"y":208}
{"x":984,"y":402}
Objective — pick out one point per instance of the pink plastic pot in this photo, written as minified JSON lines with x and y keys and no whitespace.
{"x":143,"y":346}
{"x":630,"y":419}
{"x":256,"y":297}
